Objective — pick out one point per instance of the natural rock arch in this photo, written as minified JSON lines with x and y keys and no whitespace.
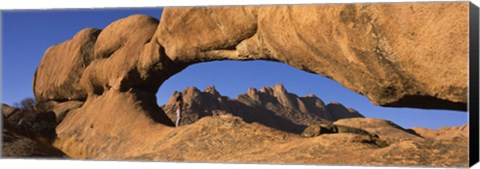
{"x":399,"y":55}
{"x":363,"y":48}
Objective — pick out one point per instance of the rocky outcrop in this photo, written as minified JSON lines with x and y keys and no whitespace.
{"x":28,"y":133}
{"x":365,"y":47}
{"x":338,"y":111}
{"x":30,"y":123}
{"x":401,"y":55}
{"x":61,"y":109}
{"x":444,"y":133}
{"x":18,"y":146}
{"x":226,"y":138}
{"x":319,"y":129}
{"x":58,"y":75}
{"x":396,"y":54}
{"x":271,"y":106}
{"x":385,"y":129}
{"x":8,"y":111}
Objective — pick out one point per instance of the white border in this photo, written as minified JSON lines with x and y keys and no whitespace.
{"x":74,"y":164}
{"x":70,"y":4}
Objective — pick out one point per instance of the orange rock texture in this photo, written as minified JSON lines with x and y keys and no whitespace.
{"x":396,"y":54}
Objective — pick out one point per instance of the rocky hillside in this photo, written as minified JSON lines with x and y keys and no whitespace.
{"x":271,"y":106}
{"x":444,"y":133}
{"x":226,"y":138}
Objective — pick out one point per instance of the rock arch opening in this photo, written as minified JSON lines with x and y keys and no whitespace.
{"x":236,"y":79}
{"x":256,"y":91}
{"x":140,"y":56}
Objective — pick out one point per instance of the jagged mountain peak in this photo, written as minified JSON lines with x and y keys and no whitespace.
{"x":252,"y":91}
{"x":271,"y":106}
{"x":212,"y":90}
{"x":271,"y":90}
{"x":192,"y":89}
{"x":335,"y":103}
{"x":279,"y":88}
{"x":311,"y":95}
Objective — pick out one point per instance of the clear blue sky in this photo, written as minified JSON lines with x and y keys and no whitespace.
{"x":27,"y":34}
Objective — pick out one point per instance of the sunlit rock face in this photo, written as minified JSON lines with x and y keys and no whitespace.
{"x":402,"y":55}
{"x":413,"y":57}
{"x":273,"y":106}
{"x":398,"y":54}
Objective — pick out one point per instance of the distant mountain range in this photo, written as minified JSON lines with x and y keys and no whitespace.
{"x":271,"y":106}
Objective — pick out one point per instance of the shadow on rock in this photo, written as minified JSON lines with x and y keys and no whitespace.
{"x":29,"y":133}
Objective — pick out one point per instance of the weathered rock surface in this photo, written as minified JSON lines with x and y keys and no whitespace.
{"x":111,"y":126}
{"x":396,"y":54}
{"x":385,"y":129}
{"x":27,"y":133}
{"x":319,"y":129}
{"x":58,"y":75}
{"x":7,"y":110}
{"x":226,"y":138}
{"x":271,"y":106}
{"x":444,"y":133}
{"x":338,"y":111}
{"x":30,"y":123}
{"x":401,"y":54}
{"x":61,"y":109}
{"x":413,"y":57}
{"x":18,"y":146}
